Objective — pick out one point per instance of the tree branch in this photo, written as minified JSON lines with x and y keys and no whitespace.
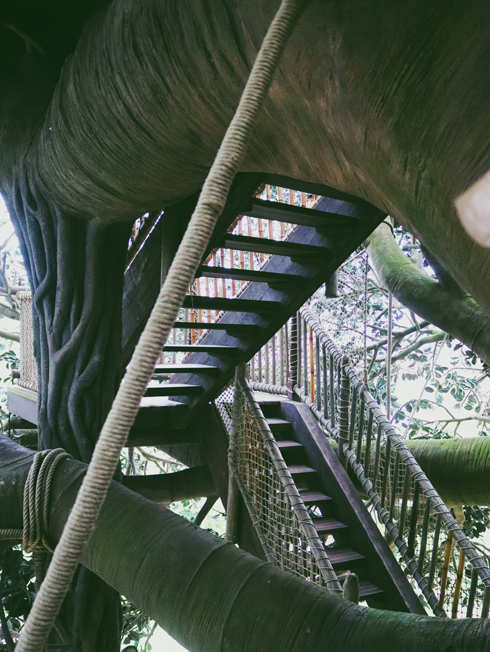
{"x":436,"y":337}
{"x":461,"y":317}
{"x":14,"y":337}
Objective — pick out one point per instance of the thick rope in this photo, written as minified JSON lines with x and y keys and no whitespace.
{"x":34,"y":535}
{"x":113,"y":436}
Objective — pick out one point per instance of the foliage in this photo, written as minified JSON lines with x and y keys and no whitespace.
{"x":136,"y":625}
{"x":449,"y":382}
{"x":16,"y":587}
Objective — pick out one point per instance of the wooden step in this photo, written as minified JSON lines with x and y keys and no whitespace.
{"x":328,"y":525}
{"x":158,"y":412}
{"x":344,"y":558}
{"x":300,"y":469}
{"x":161,"y":436}
{"x":211,"y":349}
{"x":274,"y":247}
{"x":235,"y":330}
{"x":252,"y":275}
{"x":310,"y":188}
{"x":231,"y":305}
{"x":271,"y":210}
{"x":286,"y":444}
{"x":197,"y":369}
{"x":367,"y":588}
{"x":277,"y":425}
{"x":173,"y":389}
{"x":313,"y":497}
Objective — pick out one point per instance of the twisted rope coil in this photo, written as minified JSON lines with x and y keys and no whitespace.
{"x":34,"y":535}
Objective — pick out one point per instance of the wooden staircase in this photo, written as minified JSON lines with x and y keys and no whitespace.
{"x":352,"y":540}
{"x":321,"y":240}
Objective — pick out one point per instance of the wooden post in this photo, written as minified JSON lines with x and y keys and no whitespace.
{"x":232,"y":508}
{"x":293,"y":358}
{"x":343,"y":410}
{"x":332,"y":286}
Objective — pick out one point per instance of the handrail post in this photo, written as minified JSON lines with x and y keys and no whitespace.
{"x":233,"y":501}
{"x":343,"y":404}
{"x":293,"y":359}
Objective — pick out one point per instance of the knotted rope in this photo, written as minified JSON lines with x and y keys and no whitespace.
{"x":81,"y":521}
{"x":34,"y":535}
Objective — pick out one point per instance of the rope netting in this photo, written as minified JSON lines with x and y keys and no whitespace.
{"x":282,"y":522}
{"x":28,"y":367}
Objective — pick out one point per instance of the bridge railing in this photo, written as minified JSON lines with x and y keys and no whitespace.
{"x":428,"y":541}
{"x":283,"y":523}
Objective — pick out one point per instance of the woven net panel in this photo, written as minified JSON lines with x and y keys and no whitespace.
{"x":28,"y":367}
{"x":263,"y":491}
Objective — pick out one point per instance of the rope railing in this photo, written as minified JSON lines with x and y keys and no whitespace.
{"x":426,"y":537}
{"x":278,"y":513}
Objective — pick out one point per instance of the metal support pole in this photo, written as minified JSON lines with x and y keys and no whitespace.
{"x":389,"y":347}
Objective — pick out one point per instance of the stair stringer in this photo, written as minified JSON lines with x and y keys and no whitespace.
{"x":336,"y":250}
{"x":384,"y":569}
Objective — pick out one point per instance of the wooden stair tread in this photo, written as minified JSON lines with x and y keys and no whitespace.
{"x":198,"y":369}
{"x":159,"y":411}
{"x":231,"y":329}
{"x":280,"y":212}
{"x":274,"y":247}
{"x":309,"y":187}
{"x":313,"y":497}
{"x":215,"y":350}
{"x":328,"y":524}
{"x":173,"y":389}
{"x":231,"y":305}
{"x":299,"y":469}
{"x":256,"y":276}
{"x":341,"y":556}
{"x":368,"y":588}
{"x":286,"y":443}
{"x":278,"y":424}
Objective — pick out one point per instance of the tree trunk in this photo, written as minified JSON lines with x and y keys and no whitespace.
{"x":75,"y":270}
{"x":211,"y":596}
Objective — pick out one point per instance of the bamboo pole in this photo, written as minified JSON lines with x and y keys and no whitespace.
{"x":445,"y":569}
{"x":457,"y":587}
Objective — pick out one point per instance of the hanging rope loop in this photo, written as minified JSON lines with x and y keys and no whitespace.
{"x":34,"y":535}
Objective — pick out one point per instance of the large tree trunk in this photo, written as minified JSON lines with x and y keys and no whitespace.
{"x":75,"y":271}
{"x":211,"y":596}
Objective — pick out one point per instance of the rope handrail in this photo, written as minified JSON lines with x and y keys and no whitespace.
{"x":320,"y":375}
{"x":405,"y":455}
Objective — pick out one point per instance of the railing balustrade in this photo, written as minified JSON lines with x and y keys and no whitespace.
{"x":424,"y":534}
{"x":283,"y":523}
